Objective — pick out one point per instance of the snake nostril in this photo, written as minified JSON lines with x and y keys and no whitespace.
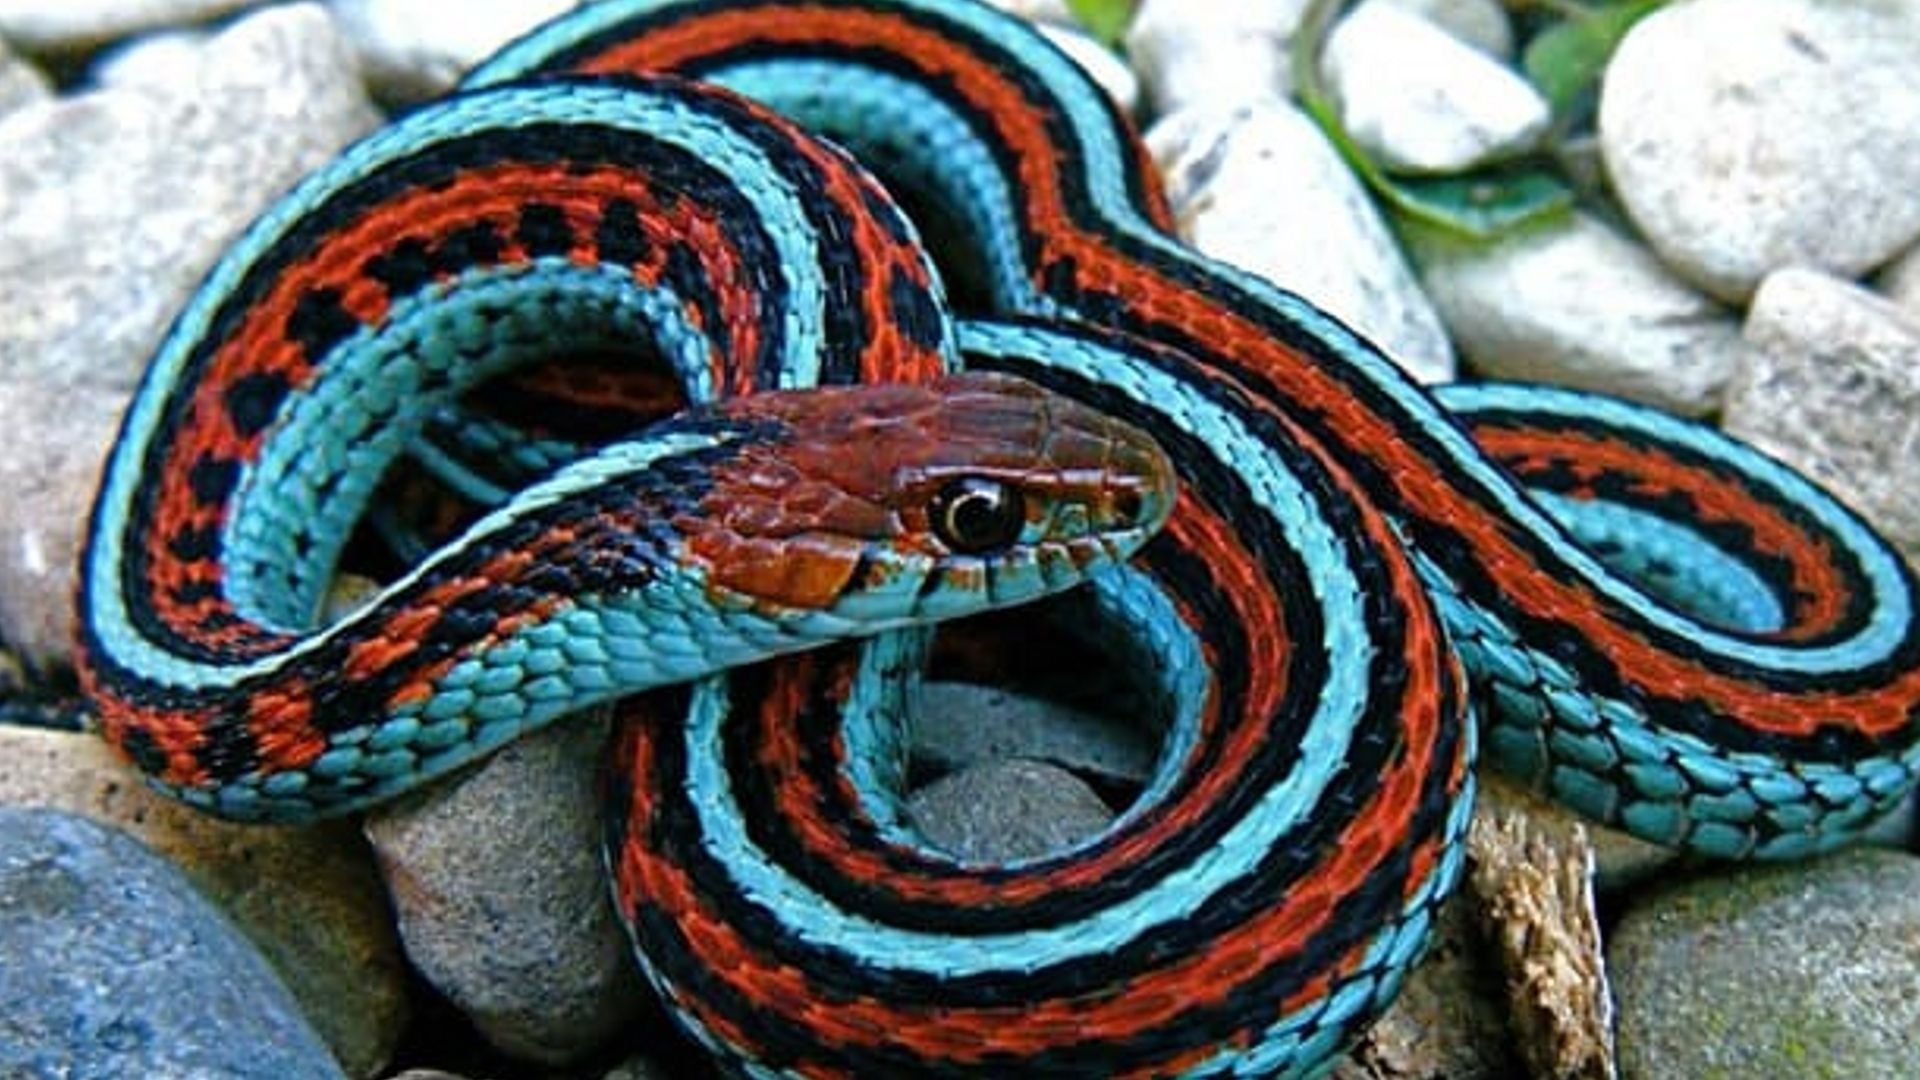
{"x":1128,"y":508}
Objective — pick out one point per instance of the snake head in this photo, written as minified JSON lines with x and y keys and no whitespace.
{"x":897,"y":503}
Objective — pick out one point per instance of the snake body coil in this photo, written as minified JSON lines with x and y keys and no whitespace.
{"x":1662,"y":628}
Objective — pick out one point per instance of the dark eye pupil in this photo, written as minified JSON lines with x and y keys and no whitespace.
{"x":976,"y":515}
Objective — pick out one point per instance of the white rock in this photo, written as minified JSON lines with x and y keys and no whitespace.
{"x":1577,"y":304}
{"x":1100,"y":64}
{"x":112,"y":205}
{"x":1213,"y":53}
{"x":1420,"y":100}
{"x":415,"y":49}
{"x":1482,"y":24}
{"x":1793,"y":138}
{"x":20,"y":82}
{"x":66,"y":25}
{"x":1833,"y":389}
{"x":1260,"y":187}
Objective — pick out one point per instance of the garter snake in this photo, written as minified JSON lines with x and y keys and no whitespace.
{"x":1665,"y":630}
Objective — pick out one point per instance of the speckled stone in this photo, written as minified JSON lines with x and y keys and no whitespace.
{"x":1576,"y":303}
{"x":1004,"y":811}
{"x":115,"y":966}
{"x":1833,"y":388}
{"x":960,"y":725}
{"x":508,"y":855}
{"x":1794,"y":140}
{"x":308,"y":897}
{"x":1794,"y":970}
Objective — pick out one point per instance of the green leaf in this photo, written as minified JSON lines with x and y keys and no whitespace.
{"x":1485,"y":203}
{"x":1106,"y":20}
{"x":1566,"y":60}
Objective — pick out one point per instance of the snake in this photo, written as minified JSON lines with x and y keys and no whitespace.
{"x":1329,"y":586}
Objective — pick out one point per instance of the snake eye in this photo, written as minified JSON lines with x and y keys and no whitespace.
{"x":975,"y":515}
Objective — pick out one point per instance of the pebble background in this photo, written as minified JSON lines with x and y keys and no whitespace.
{"x":1750,"y":253}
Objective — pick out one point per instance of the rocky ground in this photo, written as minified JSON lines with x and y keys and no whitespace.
{"x":1744,"y":246}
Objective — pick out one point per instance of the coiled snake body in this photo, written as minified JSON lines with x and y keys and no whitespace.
{"x":1665,"y":630}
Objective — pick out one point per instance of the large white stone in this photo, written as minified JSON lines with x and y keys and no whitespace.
{"x":1748,"y":135}
{"x":1420,"y":100}
{"x":65,"y":25}
{"x":1576,"y":304}
{"x":1213,"y":53}
{"x":1260,"y":187}
{"x":414,"y":49}
{"x":1833,"y":389}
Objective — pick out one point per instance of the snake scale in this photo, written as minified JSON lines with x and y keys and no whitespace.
{"x":1358,"y":581}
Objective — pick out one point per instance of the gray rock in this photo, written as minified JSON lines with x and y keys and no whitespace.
{"x":1004,"y":811}
{"x":1793,"y":140}
{"x":115,"y":966}
{"x":1215,"y":54}
{"x":1794,"y":970}
{"x":959,"y":725}
{"x":69,"y":25}
{"x":1833,"y":389}
{"x":1325,"y":240}
{"x":20,"y":82}
{"x":1575,"y":303}
{"x":497,"y":880}
{"x":308,"y":897}
{"x":1420,"y":100}
{"x":113,"y":203}
{"x":412,"y":50}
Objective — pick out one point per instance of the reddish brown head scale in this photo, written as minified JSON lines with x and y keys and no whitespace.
{"x":894,"y":502}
